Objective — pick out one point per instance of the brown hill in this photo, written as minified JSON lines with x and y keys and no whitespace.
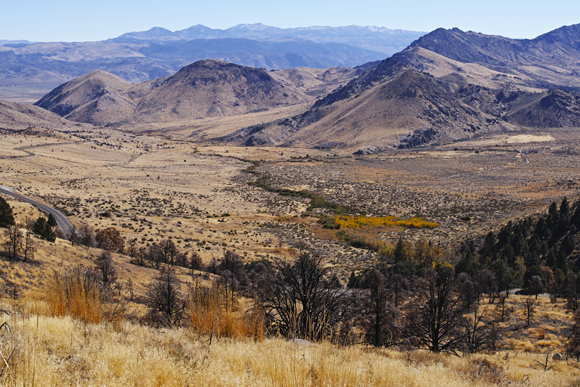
{"x":212,"y":88}
{"x":407,"y":109}
{"x":206,"y":88}
{"x":447,"y":85}
{"x":98,"y":98}
{"x":17,"y":116}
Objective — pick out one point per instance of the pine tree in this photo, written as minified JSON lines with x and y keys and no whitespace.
{"x":400,"y":251}
{"x":565,"y":208}
{"x":39,"y":226}
{"x":561,"y":261}
{"x":6,"y":216}
{"x":51,"y":220}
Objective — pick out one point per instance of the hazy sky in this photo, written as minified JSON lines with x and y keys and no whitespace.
{"x":81,"y":20}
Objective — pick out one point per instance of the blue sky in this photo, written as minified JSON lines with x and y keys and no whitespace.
{"x":80,"y":20}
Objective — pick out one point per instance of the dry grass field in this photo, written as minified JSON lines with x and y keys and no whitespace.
{"x":97,"y":355}
{"x":42,"y":349}
{"x":155,"y":188}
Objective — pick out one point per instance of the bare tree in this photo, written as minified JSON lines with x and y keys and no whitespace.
{"x":168,"y":251}
{"x":480,"y":333}
{"x":529,"y":310}
{"x":195,"y":262}
{"x":296,"y":301}
{"x":83,"y":235}
{"x":378,"y":314}
{"x":435,"y":314}
{"x":28,"y":247}
{"x":536,"y":285}
{"x":503,"y":310}
{"x":132,"y":249}
{"x":165,"y":300}
{"x":13,"y":242}
{"x":107,"y":268}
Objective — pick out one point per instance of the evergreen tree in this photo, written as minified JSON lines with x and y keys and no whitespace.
{"x":467,"y":265}
{"x":39,"y":226}
{"x":488,"y":244}
{"x":51,"y":220}
{"x":565,"y":208}
{"x":561,"y":261}
{"x":49,"y":233}
{"x":508,"y":255}
{"x":540,"y":229}
{"x":551,"y":259}
{"x":6,"y":216}
{"x":568,"y":244}
{"x":400,"y":253}
{"x":503,"y":274}
{"x":553,"y":215}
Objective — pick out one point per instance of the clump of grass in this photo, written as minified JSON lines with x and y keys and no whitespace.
{"x":76,"y":293}
{"x":213,"y":311}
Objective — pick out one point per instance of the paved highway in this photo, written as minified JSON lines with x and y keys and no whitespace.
{"x":61,"y":220}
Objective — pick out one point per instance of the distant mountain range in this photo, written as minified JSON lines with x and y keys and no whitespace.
{"x":142,"y":56}
{"x":378,"y":39}
{"x":447,"y":85}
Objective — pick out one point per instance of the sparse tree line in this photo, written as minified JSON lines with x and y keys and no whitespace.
{"x":19,"y":243}
{"x":414,"y":298}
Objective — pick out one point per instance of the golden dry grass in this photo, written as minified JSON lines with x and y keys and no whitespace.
{"x":58,"y":351}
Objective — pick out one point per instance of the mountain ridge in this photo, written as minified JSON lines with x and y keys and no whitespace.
{"x":207,"y":88}
{"x":479,"y":83}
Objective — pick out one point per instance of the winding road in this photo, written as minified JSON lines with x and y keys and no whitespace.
{"x":61,"y":220}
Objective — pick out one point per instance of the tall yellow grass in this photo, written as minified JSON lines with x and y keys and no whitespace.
{"x":213,"y":312}
{"x":75,"y":294}
{"x":60,"y":351}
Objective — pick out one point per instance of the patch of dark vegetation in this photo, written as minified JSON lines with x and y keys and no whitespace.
{"x":316,"y":201}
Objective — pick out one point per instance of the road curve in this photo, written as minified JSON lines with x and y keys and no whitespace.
{"x":61,"y":220}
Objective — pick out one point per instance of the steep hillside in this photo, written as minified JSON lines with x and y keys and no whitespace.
{"x":98,"y":98}
{"x":213,"y":88}
{"x":16,"y":116}
{"x":206,"y":88}
{"x":550,"y":60}
{"x":407,"y":110}
{"x":447,"y":85}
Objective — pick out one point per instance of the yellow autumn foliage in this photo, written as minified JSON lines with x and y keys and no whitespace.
{"x":388,"y":221}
